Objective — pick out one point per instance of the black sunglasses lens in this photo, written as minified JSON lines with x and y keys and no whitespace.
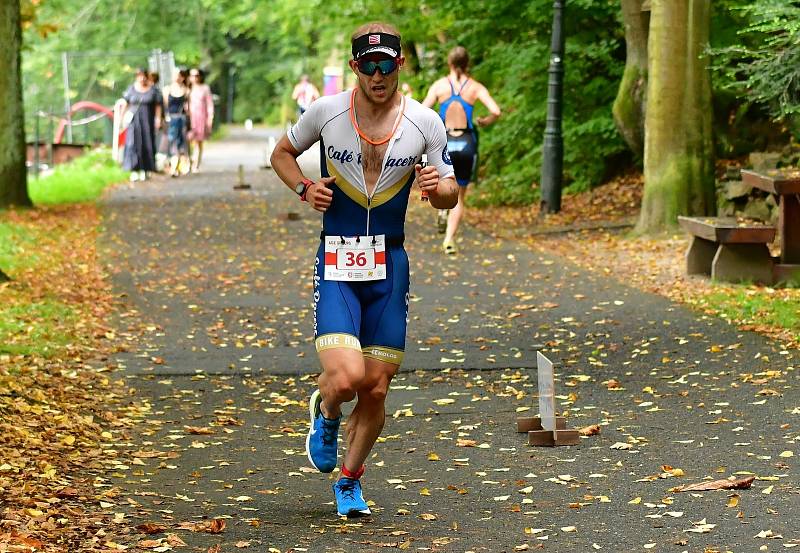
{"x":368,"y":67}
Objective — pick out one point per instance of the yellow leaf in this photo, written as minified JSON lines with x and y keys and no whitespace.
{"x":787,"y":454}
{"x":635,"y":501}
{"x":433,"y":457}
{"x":444,"y":401}
{"x":733,"y":501}
{"x":767,"y":490}
{"x":69,"y":440}
{"x":424,"y":491}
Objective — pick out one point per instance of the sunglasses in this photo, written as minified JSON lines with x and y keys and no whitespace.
{"x":385,"y":66}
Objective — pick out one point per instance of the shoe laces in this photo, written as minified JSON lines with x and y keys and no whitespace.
{"x":347,"y":488}
{"x":329,"y":432}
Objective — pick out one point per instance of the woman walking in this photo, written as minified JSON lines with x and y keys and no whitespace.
{"x":176,"y":100}
{"x":456,"y":95}
{"x":143,"y":112}
{"x":201,"y":115}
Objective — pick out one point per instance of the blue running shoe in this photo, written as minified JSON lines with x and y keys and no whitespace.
{"x":323,"y":435}
{"x":349,"y":499}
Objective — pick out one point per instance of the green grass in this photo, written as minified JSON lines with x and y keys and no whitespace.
{"x":14,"y":244}
{"x":41,"y":328}
{"x":758,"y":307}
{"x":81,"y":180}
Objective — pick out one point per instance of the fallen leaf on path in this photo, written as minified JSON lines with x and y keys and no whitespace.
{"x":724,"y":484}
{"x":214,"y":526}
{"x":151,"y":528}
{"x":591,"y":430}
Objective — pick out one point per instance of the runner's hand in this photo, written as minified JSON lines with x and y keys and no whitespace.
{"x":427,"y":178}
{"x":319,"y":195}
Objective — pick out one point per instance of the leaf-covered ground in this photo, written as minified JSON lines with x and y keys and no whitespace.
{"x":655,"y":264}
{"x":58,"y":418}
{"x":224,"y":364}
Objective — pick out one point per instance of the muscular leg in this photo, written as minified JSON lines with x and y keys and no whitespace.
{"x":454,"y":218}
{"x":366,"y":422}
{"x":342,"y":375}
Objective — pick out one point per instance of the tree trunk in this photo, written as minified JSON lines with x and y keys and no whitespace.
{"x":13,"y":175}
{"x":678,"y":151}
{"x":629,"y":106}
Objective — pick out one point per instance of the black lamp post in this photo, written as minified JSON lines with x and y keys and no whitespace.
{"x":553,"y":148}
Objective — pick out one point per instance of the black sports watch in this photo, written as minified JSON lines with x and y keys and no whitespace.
{"x":302,"y":187}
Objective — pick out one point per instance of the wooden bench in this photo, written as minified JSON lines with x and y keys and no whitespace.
{"x":728,"y":249}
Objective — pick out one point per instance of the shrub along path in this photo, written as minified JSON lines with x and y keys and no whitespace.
{"x":218,"y":285}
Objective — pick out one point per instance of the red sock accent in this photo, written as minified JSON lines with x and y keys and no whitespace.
{"x":353,"y":475}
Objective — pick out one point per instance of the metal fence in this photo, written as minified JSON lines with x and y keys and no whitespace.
{"x":98,"y":77}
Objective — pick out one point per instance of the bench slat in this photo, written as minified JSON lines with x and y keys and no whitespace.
{"x":777,"y":182}
{"x":724,"y":230}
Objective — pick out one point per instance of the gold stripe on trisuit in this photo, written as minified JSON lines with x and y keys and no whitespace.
{"x":383,"y":353}
{"x":357,"y":196}
{"x":337,"y":340}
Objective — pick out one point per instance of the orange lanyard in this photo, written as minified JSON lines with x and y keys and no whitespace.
{"x":364,"y":136}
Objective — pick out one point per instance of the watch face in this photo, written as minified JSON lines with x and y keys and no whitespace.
{"x":300,"y":188}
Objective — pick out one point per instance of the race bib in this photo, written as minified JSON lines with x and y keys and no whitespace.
{"x":355,"y":259}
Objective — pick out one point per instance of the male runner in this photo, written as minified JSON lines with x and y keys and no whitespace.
{"x":456,"y":95}
{"x":371,"y":142}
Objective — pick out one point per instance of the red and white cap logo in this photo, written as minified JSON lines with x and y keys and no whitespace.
{"x":374,"y":39}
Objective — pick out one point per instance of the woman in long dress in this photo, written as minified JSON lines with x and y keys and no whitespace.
{"x":143,"y":109}
{"x":201,"y":115}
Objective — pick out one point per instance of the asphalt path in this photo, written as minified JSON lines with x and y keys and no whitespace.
{"x":217,"y":314}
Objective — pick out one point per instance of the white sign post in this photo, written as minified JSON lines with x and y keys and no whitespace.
{"x":547,"y":399}
{"x":547,"y":429}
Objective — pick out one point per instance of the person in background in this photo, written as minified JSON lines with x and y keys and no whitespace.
{"x":161,"y":136}
{"x":304,"y":93}
{"x":201,"y":115}
{"x":176,"y":100}
{"x":456,"y":95}
{"x":142,"y":112}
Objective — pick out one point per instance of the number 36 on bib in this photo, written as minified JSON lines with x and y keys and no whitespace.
{"x":355,"y":259}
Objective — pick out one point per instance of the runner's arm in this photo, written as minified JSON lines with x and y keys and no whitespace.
{"x":430,"y":99}
{"x":438,"y":177}
{"x":300,"y":138}
{"x":284,"y":162}
{"x":494,"y":110}
{"x":445,"y":196}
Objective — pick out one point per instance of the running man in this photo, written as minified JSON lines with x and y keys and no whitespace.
{"x":304,"y":94}
{"x":371,"y":143}
{"x":456,"y":95}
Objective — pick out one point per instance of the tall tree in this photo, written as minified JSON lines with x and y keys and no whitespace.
{"x":629,"y":105}
{"x":13,"y":184}
{"x":678,"y":150}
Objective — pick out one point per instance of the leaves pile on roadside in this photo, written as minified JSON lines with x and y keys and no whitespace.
{"x":57,"y":417}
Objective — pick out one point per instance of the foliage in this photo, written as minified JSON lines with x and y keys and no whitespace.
{"x":764,"y":64}
{"x":81,"y":180}
{"x":266,"y":45}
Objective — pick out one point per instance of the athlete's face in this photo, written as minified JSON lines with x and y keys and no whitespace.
{"x":377,"y":88}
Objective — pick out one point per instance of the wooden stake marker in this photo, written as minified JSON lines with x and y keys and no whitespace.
{"x":241,"y":185}
{"x":547,"y":429}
